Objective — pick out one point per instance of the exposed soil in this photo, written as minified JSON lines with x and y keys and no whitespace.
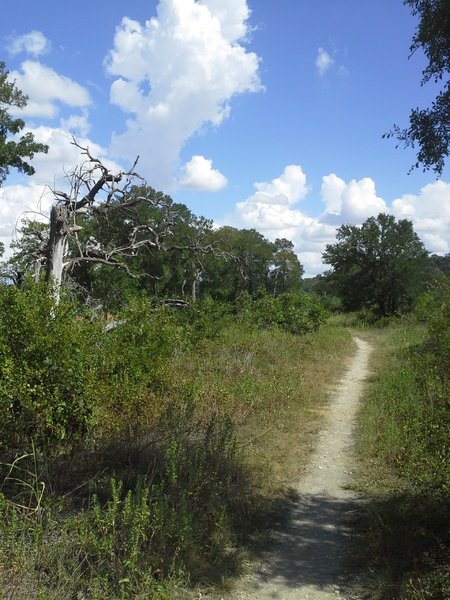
{"x":307,"y":557}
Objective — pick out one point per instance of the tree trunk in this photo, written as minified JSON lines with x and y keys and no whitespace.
{"x":195,"y":282}
{"x":37,"y":269}
{"x":59,"y":230}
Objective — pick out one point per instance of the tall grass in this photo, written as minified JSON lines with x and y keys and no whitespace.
{"x":184,"y":456}
{"x":403,"y":444}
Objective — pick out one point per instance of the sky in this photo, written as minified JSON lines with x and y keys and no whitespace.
{"x":254,"y":113}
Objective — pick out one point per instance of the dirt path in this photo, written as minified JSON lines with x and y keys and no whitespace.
{"x":305,"y":560}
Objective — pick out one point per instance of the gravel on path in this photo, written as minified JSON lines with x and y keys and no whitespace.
{"x":306,"y":558}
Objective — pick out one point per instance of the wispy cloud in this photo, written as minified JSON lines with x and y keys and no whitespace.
{"x":34,"y":43}
{"x":323,"y":61}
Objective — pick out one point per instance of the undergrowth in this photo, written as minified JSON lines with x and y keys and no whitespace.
{"x":404,"y":447}
{"x":150,"y":458}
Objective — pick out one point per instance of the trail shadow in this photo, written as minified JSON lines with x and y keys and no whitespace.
{"x":311,"y":548}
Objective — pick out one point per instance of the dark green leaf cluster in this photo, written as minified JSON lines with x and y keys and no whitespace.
{"x":382,"y":264}
{"x":430,"y":127}
{"x":13,"y":149}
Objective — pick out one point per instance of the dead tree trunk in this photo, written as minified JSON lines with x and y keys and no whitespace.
{"x":57,"y":245}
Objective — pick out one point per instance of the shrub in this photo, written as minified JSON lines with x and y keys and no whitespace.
{"x":436,"y":311}
{"x":47,"y":368}
{"x":133,"y":365}
{"x":294,"y":312}
{"x":205,"y":319}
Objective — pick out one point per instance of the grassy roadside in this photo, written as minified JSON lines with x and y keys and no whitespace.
{"x":274,"y":386}
{"x":180,"y":496}
{"x":404,"y":471}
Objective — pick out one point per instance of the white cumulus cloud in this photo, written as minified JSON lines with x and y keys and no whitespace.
{"x":351,"y":202}
{"x":19,"y":202}
{"x":272,"y":210}
{"x":232,"y":16}
{"x":430,"y":213}
{"x":46,"y":88}
{"x":63,"y":156}
{"x":175,"y":74}
{"x":34,"y":43}
{"x":269,"y":208}
{"x":199,"y":174}
{"x":77,"y":124}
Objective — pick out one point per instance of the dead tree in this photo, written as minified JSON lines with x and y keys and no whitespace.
{"x":96,"y":191}
{"x":90,"y":182}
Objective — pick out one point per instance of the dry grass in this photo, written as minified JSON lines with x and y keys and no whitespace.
{"x":275,"y":387}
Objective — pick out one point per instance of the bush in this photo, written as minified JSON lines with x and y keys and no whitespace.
{"x":205,"y":319}
{"x":47,"y":371}
{"x":133,"y":366}
{"x":435,"y":310}
{"x":403,"y":437}
{"x":294,"y":312}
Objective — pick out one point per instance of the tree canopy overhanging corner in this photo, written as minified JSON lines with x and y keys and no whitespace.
{"x":15,"y":151}
{"x":429,"y":128}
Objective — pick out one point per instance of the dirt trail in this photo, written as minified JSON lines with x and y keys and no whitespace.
{"x":305,"y":560}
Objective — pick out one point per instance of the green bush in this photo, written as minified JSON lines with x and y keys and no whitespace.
{"x":294,"y":312}
{"x":47,"y":370}
{"x":404,"y":439}
{"x":437,"y":317}
{"x":133,"y":366}
{"x":204,"y":320}
{"x":302,"y":312}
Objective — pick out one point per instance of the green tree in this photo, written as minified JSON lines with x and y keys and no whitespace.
{"x":13,"y":149}
{"x":167,"y":256}
{"x":382,"y":264}
{"x":28,"y":251}
{"x":440,"y":264}
{"x":242,"y":264}
{"x":429,"y":128}
{"x":286,"y":271}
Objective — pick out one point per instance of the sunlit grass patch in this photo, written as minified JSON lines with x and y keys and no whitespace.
{"x":404,"y":475}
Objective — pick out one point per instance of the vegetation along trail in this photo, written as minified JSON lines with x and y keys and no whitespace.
{"x":305,"y":559}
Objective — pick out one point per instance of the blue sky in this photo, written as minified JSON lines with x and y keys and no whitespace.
{"x":254,"y":113}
